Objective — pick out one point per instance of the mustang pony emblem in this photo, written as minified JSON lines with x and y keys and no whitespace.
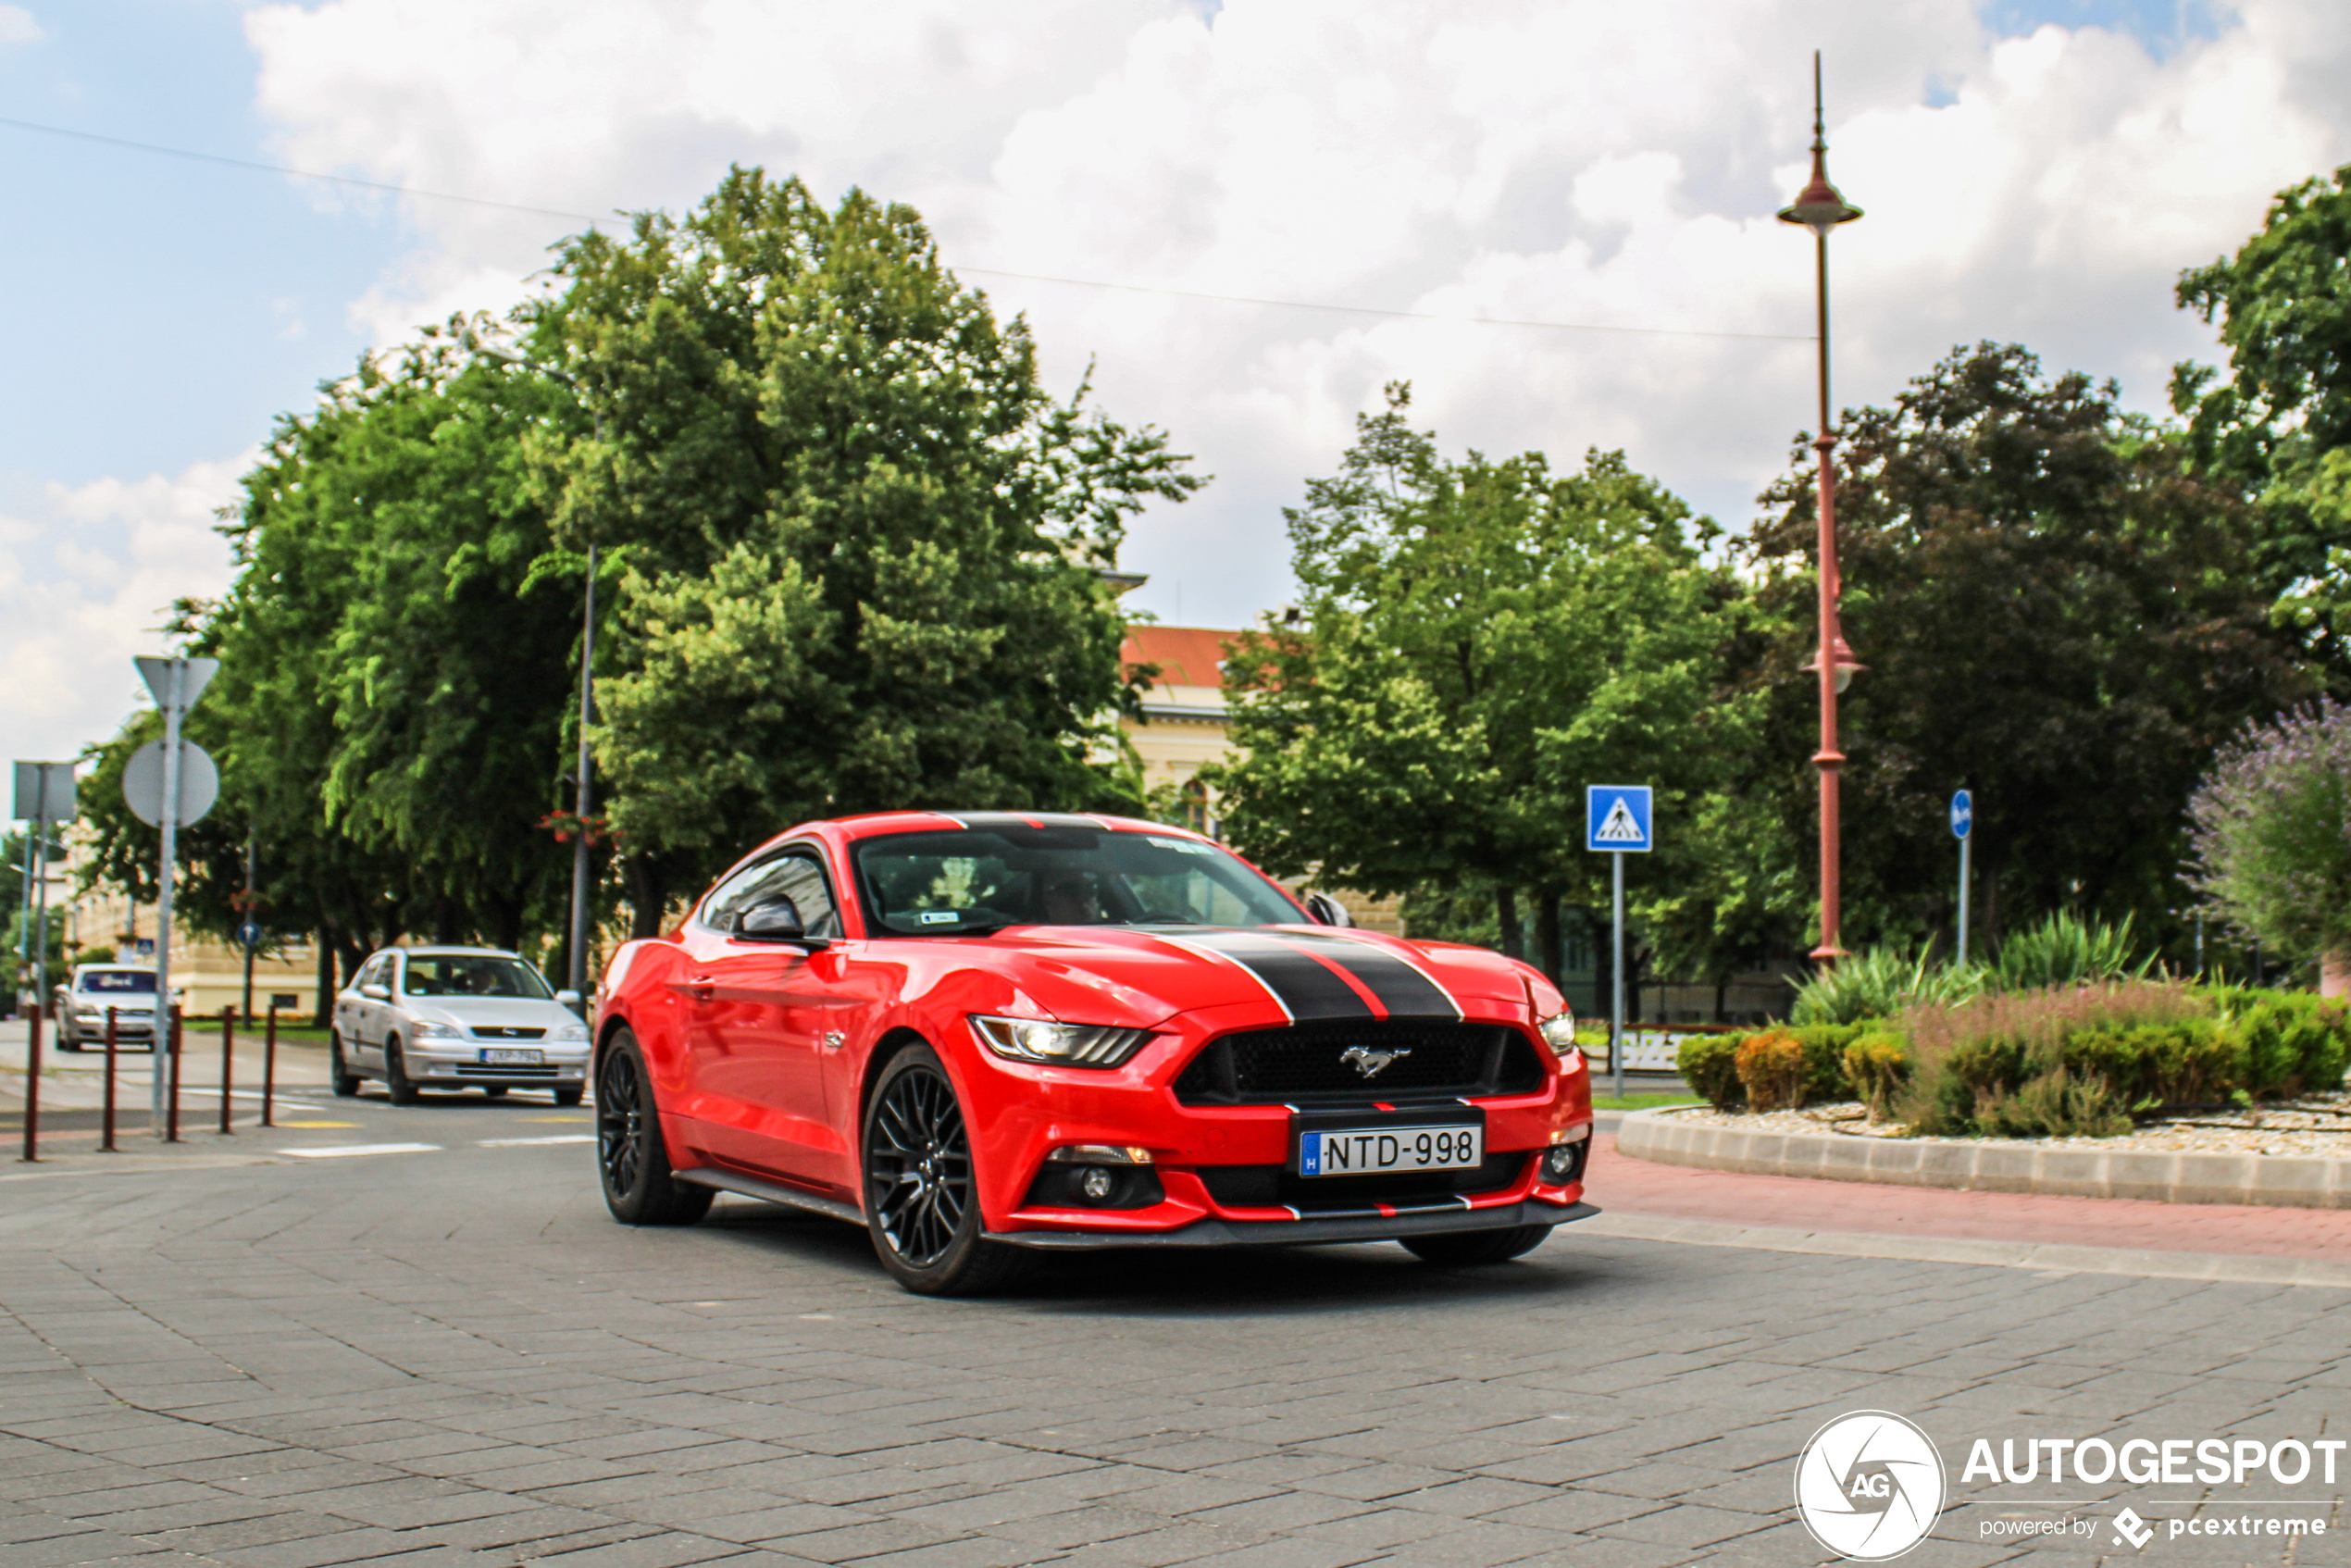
{"x":1369,"y":1063}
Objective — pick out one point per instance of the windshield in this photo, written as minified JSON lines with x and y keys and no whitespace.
{"x":471,"y":974}
{"x":120,"y":980}
{"x":970,"y":879}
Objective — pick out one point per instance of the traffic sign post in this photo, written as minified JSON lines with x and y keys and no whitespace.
{"x":44,"y":795}
{"x":175,"y":683}
{"x":1616,"y":821}
{"x":1964,"y":829}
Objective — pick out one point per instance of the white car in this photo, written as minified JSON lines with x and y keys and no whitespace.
{"x":83,"y":999}
{"x":457,"y":1017}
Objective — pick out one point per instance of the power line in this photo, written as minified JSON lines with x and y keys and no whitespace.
{"x":976,"y":271}
{"x":296,"y":173}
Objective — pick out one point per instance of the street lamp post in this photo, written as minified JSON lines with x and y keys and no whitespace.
{"x":1819,"y":208}
{"x":578,"y":980}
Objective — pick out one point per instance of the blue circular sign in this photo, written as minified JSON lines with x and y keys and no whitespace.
{"x":249,"y":934}
{"x":1962,"y":814}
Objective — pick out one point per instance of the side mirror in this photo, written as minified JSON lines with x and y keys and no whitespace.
{"x":374,"y":993}
{"x":774,"y":920}
{"x":1328,"y":910}
{"x":567,"y":999}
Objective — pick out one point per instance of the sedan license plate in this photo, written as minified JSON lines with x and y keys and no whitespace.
{"x":495,"y":1057}
{"x":1372,"y":1151}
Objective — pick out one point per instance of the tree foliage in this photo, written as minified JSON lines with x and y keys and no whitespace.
{"x":2279,"y":427}
{"x":2051,"y":613}
{"x":1476,"y":642}
{"x":861,"y":547}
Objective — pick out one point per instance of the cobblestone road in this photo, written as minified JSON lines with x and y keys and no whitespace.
{"x":233,"y":1356}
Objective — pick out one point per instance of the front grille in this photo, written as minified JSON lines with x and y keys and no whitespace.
{"x":1275,"y":1187}
{"x":1307,"y":1063}
{"x":505,"y":1031}
{"x":515,"y":1072}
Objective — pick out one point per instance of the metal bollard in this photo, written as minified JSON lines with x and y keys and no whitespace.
{"x":169,"y":1064}
{"x":32,"y":1091}
{"x":228,"y":1049}
{"x":105,"y":1127}
{"x":270,"y":1068}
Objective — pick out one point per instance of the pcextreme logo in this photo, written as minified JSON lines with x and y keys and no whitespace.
{"x":1869,"y":1485}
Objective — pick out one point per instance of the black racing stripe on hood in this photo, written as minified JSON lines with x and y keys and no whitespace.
{"x":1305,"y":986}
{"x":1403,"y":989}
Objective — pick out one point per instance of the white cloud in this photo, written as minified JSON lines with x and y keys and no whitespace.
{"x":85,"y":580}
{"x":18,"y":26}
{"x":1529,"y":159}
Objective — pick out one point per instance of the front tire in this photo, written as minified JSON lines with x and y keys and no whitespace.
{"x":340,"y":1078}
{"x":922,"y":1197}
{"x":397,"y":1083}
{"x":1473,"y":1249}
{"x":631,"y":1159}
{"x":570,"y":1096}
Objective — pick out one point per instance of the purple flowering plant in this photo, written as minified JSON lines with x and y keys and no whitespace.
{"x":2270,"y":826}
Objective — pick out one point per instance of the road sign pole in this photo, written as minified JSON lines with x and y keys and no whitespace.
{"x":166,"y":1064}
{"x":1616,"y":984}
{"x":1964,"y":844}
{"x":39,"y":856}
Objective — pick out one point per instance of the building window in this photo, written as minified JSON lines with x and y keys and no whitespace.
{"x":1195,"y":807}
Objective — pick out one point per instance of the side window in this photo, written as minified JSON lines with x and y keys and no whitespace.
{"x":374,"y":972}
{"x":797,"y":875}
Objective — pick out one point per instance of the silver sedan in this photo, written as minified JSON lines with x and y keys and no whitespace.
{"x":457,"y":1017}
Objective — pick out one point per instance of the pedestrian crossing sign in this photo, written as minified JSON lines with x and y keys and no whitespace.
{"x":1616,"y":816}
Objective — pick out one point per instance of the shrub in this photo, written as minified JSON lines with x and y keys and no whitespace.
{"x":1708,"y":1065}
{"x":1824,"y":1059}
{"x":1772,"y":1067}
{"x":2127,"y":1040}
{"x":2065,"y":950}
{"x":1879,"y":983}
{"x":1876,"y":1064}
{"x":2055,"y":1104}
{"x":2293,"y":1041}
{"x":2268,"y":825}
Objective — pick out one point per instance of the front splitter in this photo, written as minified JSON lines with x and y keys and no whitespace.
{"x":1303,"y":1232}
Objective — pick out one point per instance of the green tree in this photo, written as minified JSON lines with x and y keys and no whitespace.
{"x":1475,"y":643}
{"x":2272,"y":833}
{"x":858,"y":548}
{"x":2279,"y":427}
{"x":2051,"y":613}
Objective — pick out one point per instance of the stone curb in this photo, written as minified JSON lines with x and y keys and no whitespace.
{"x":2285,"y":1181}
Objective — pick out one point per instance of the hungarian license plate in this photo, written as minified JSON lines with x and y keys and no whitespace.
{"x":1371,"y":1151}
{"x":494,"y":1057}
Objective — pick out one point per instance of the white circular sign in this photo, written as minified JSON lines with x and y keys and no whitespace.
{"x":1869,"y":1485}
{"x":142,"y":783}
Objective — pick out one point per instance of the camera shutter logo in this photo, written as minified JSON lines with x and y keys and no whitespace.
{"x":1869,"y":1486}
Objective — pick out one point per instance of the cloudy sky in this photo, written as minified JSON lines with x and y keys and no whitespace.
{"x":2034,"y":171}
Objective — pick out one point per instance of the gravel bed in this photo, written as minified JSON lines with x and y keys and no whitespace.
{"x":2300,"y":1127}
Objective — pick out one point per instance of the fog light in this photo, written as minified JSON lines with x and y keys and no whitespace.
{"x":1100,"y":1154}
{"x":1563,"y":1161}
{"x":1095,"y":1183}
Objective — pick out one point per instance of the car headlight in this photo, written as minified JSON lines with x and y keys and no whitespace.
{"x":568,"y":1032}
{"x":1061,"y":1045}
{"x":1559,"y":1033}
{"x":427,"y":1029}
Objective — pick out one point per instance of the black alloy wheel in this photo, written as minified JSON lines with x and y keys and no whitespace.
{"x":632,"y":1159}
{"x":344,"y":1082}
{"x":922,"y":1203}
{"x":1472,"y":1249}
{"x":397,"y":1083}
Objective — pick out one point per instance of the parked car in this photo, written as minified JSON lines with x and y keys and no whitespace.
{"x":456,"y":1017}
{"x":984,"y":1036}
{"x":80,"y":1013}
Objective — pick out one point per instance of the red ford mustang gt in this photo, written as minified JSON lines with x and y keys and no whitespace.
{"x":984,"y":1035}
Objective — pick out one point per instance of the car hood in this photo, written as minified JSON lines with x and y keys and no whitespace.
{"x":508,"y":1012}
{"x":1141,"y":975}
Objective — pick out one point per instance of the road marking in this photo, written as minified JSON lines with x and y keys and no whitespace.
{"x":317,"y":1124}
{"x":338,"y":1150}
{"x":528,"y":1142}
